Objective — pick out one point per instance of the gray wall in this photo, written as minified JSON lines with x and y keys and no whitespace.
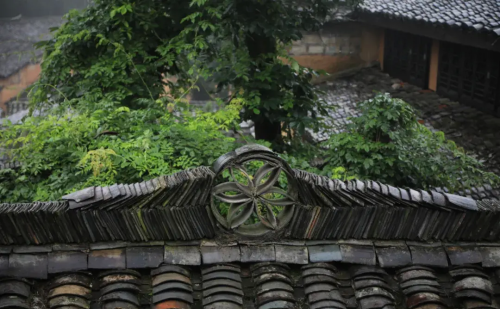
{"x":38,"y":8}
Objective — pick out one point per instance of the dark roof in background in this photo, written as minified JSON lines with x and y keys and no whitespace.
{"x":17,"y":38}
{"x":476,"y":15}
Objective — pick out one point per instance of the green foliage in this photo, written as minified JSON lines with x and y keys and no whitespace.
{"x":386,"y":143}
{"x":119,"y":52}
{"x":104,"y":82}
{"x":64,"y":153}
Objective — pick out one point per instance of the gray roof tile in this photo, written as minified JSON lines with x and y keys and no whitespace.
{"x":429,"y":256}
{"x":264,"y":253}
{"x":59,"y":262}
{"x":215,"y":255}
{"x":422,"y":10}
{"x":107,"y":259}
{"x":324,"y":253}
{"x":393,"y":256}
{"x":32,"y":266}
{"x":144,"y":257}
{"x":292,"y":254}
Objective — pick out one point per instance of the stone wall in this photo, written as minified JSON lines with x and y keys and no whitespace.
{"x":338,"y":47}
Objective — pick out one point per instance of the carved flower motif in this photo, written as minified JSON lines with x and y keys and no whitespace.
{"x":257,"y":196}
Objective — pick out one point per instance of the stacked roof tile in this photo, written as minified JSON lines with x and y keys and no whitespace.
{"x":475,"y":15}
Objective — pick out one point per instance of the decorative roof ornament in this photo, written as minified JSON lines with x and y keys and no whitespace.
{"x":249,"y":196}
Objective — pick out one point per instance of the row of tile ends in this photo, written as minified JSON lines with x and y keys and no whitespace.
{"x":265,"y":285}
{"x":39,"y":262}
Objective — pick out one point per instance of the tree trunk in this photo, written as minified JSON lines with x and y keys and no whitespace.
{"x":269,"y":131}
{"x":264,"y":128}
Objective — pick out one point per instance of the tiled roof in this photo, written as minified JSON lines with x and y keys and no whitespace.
{"x":160,"y":244}
{"x":362,"y":275}
{"x":18,"y":37}
{"x":476,"y":15}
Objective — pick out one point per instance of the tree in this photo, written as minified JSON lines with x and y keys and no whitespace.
{"x":120,"y":52}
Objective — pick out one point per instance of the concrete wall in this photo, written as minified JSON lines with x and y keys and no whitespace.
{"x":339,"y":47}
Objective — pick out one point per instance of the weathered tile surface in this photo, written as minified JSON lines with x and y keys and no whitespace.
{"x":264,"y":253}
{"x":108,"y":245}
{"x":491,"y":256}
{"x":182,"y":255}
{"x":393,"y":256}
{"x":144,"y":257}
{"x":213,"y":255}
{"x":107,"y":259}
{"x":70,"y":247}
{"x":324,"y":253}
{"x":292,"y":254}
{"x":28,"y":265}
{"x":356,"y":254}
{"x":4,"y":265}
{"x":461,"y":255}
{"x":32,"y":249}
{"x":429,"y":256}
{"x":66,"y":261}
{"x":5,"y":249}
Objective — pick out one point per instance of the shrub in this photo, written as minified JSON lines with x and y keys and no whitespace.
{"x":64,"y":153}
{"x":386,"y":143}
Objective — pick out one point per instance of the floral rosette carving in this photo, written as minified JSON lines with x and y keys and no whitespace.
{"x":255,"y":202}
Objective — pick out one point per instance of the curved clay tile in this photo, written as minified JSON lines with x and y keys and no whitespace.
{"x":71,"y":290}
{"x":172,"y":287}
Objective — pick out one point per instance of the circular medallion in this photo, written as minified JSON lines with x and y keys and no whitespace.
{"x":255,"y":191}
